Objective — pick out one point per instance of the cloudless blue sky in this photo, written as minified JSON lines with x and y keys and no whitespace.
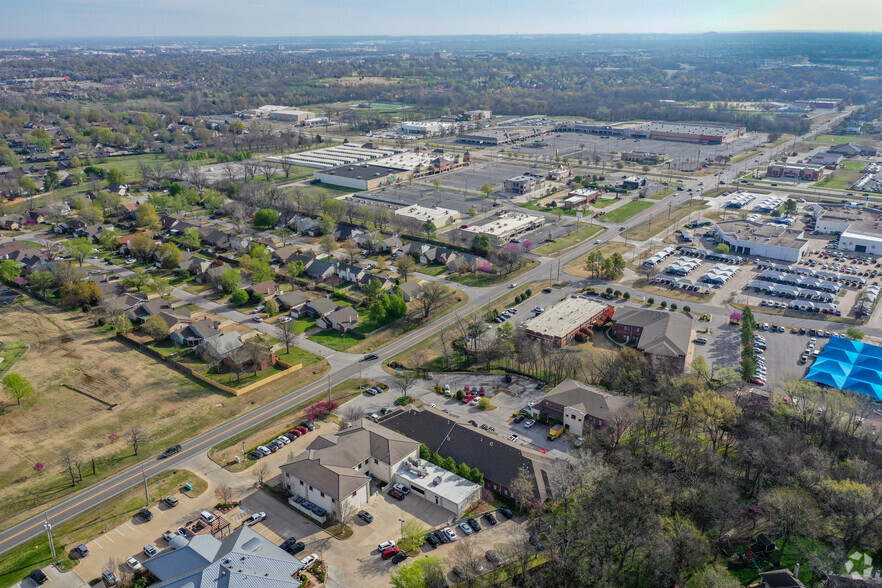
{"x":123,"y":18}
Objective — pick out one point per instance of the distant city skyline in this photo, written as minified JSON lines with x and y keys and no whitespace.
{"x":46,"y":19}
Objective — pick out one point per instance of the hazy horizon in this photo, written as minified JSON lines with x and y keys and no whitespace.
{"x":74,"y":19}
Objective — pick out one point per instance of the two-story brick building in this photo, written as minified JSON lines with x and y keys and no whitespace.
{"x":580,"y":406}
{"x":662,"y":336}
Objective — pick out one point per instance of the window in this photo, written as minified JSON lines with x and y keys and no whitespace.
{"x":310,"y":487}
{"x":375,"y":461}
{"x":301,"y":482}
{"x":417,"y":490}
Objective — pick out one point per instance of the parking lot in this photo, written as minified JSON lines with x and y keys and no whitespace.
{"x":56,"y":579}
{"x":480,"y":173}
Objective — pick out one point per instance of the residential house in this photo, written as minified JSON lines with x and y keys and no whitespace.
{"x":351,"y":273}
{"x":194,"y":334}
{"x":92,"y":233}
{"x":244,"y":558}
{"x":411,"y":290}
{"x":580,"y":406}
{"x":266,"y":289}
{"x":341,"y":320}
{"x":240,"y":242}
{"x":853,"y":149}
{"x":498,"y":459}
{"x":467,"y":262}
{"x":220,"y":346}
{"x":305,"y":225}
{"x":193,"y":264}
{"x":320,"y":307}
{"x":158,"y":307}
{"x":663,"y":337}
{"x":242,"y":359}
{"x":215,"y":238}
{"x":345,"y":232}
{"x":293,"y":301}
{"x":69,"y":227}
{"x":391,"y":244}
{"x":130,"y":209}
{"x":336,"y":470}
{"x":12,"y":222}
{"x":286,"y":255}
{"x":213,"y":273}
{"x":415,"y":249}
{"x":438,"y":255}
{"x":321,"y":270}
{"x":126,"y":240}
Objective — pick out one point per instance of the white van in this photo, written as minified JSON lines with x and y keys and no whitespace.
{"x":207,"y":516}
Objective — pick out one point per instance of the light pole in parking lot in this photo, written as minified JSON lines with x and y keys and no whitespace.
{"x":48,"y":526}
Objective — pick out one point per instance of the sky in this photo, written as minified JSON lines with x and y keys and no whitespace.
{"x":46,"y":19}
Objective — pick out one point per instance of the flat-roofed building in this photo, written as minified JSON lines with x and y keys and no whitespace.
{"x":439,"y":216}
{"x":524,"y":184}
{"x":808,"y":172}
{"x":426,"y":128}
{"x":764,"y":240}
{"x":497,"y":136}
{"x":643,"y":157}
{"x":504,"y":227}
{"x":580,"y":198}
{"x":437,"y":485}
{"x":559,"y":324}
{"x":859,"y":228}
{"x":362,"y":176}
{"x":291,"y":115}
{"x":704,"y":133}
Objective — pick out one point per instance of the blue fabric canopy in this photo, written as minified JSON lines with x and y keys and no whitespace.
{"x":849,"y":365}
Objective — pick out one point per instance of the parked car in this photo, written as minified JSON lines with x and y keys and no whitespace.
{"x":535,"y":542}
{"x":391,"y":552}
{"x":399,"y":557}
{"x":109,"y":578}
{"x":308,"y":425}
{"x":134,"y":564}
{"x":506,"y":512}
{"x":255,"y":518}
{"x":149,"y":550}
{"x":529,"y":423}
{"x":145,"y":514}
{"x":296,"y":547}
{"x":490,"y":518}
{"x":700,"y":340}
{"x":474,"y":524}
{"x":492,"y":557}
{"x":451,"y":534}
{"x":169,"y":535}
{"x":401,"y":488}
{"x":309,"y":560}
{"x":459,"y":573}
{"x":171,"y":501}
{"x":38,"y":577}
{"x":442,"y":537}
{"x":519,"y":417}
{"x":466,"y":529}
{"x":385,"y":545}
{"x":207,"y":517}
{"x":432,"y":540}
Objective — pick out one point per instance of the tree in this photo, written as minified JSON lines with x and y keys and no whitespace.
{"x":91,"y":215}
{"x":170,"y":256}
{"x":191,"y":239}
{"x":372,"y":292}
{"x":260,"y":271}
{"x":136,"y":438}
{"x":523,"y":488}
{"x":486,"y":189}
{"x":287,"y":334}
{"x":413,"y":535}
{"x":295,"y":269}
{"x":239,"y":297}
{"x":853,"y":333}
{"x":721,"y":248}
{"x":66,"y":273}
{"x":424,"y":572}
{"x":78,"y":249}
{"x":229,"y":280}
{"x":28,"y":185}
{"x":123,"y":325}
{"x":327,"y":243}
{"x":109,"y":239}
{"x":266,"y":218}
{"x":404,"y":381}
{"x":405,"y":265}
{"x":9,"y":270}
{"x":18,"y":387}
{"x":271,"y":307}
{"x":352,"y":250}
{"x":155,"y":327}
{"x":334,"y":208}
{"x":142,"y":247}
{"x":326,"y":224}
{"x":147,"y":217}
{"x":51,"y":181}
{"x":711,"y":414}
{"x":429,"y":229}
{"x":791,"y":512}
{"x":108,"y":201}
{"x":713,"y":576}
{"x":80,"y":293}
{"x":41,"y":280}
{"x":481,"y":244}
{"x":67,"y":460}
{"x":115,"y":177}
{"x":433,"y":294}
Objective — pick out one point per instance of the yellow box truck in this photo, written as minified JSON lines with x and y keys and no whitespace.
{"x":555,"y":432}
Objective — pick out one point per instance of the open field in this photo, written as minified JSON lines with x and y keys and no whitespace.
{"x":625,"y":212}
{"x":67,"y":351}
{"x":557,"y":246}
{"x":843,"y":178}
{"x":480,"y":279}
{"x":842,"y":139}
{"x":577,"y":266}
{"x":743,"y":156}
{"x":647,"y":229}
{"x":35,"y":553}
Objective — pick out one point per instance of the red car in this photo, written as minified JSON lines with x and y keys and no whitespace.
{"x":396,"y":494}
{"x":296,"y":432}
{"x":303,"y":430}
{"x":758,"y":381}
{"x":390,"y":552}
{"x":468,"y":398}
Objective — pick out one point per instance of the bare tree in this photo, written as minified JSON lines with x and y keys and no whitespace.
{"x":404,"y":381}
{"x":136,"y":438}
{"x":66,"y":461}
{"x":433,"y":294}
{"x":267,"y":169}
{"x":287,"y":335}
{"x":224,"y":494}
{"x":286,"y":165}
{"x":351,"y":413}
{"x":465,"y":554}
{"x":262,"y":472}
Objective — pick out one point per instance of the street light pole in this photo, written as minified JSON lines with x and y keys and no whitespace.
{"x":146,"y":491}
{"x":48,"y":526}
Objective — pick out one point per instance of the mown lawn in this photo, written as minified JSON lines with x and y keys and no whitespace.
{"x":334,"y":340}
{"x":296,"y":355}
{"x":647,"y":229}
{"x":625,"y":212}
{"x":432,"y":269}
{"x":481,"y":279}
{"x":571,"y":240}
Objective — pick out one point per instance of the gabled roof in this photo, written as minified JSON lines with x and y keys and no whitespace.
{"x":498,"y":459}
{"x":322,"y":305}
{"x":292,"y":299}
{"x":346,"y":317}
{"x":266,"y":288}
{"x":222,"y":346}
{"x":589,"y":399}
{"x":329,"y":461}
{"x":320,"y":268}
{"x":664,"y":333}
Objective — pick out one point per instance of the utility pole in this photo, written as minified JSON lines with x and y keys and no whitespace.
{"x":146,"y":491}
{"x":48,"y":526}
{"x":329,"y":388}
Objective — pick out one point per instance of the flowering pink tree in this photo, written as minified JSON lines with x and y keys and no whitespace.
{"x":486,"y":268}
{"x":113,"y":436}
{"x":527,"y":245}
{"x":320,"y":410}
{"x":38,"y":467}
{"x":736,"y":317}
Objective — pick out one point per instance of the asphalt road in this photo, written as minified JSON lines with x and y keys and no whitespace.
{"x":94,"y":495}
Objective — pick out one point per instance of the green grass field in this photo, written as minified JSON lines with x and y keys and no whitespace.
{"x":432,"y":270}
{"x":662,"y":220}
{"x":481,"y":280}
{"x":837,"y":139}
{"x":556,"y":247}
{"x":334,"y":340}
{"x":603,"y":202}
{"x":661,"y":194}
{"x":627,"y":211}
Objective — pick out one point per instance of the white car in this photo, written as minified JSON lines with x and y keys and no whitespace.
{"x":134,"y":564}
{"x":283,"y":320}
{"x":256,"y":518}
{"x":512,"y":437}
{"x":258,"y":319}
{"x":385,"y":545}
{"x":451,"y":534}
{"x":529,"y":423}
{"x":309,"y":560}
{"x":446,"y":389}
{"x":131,"y":260}
{"x":283,"y":440}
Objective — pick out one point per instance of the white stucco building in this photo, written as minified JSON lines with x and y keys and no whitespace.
{"x":763,"y":240}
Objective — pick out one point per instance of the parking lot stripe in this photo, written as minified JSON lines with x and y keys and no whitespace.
{"x":121,"y":534}
{"x":129,"y":525}
{"x":98,"y":544}
{"x":108,"y":538}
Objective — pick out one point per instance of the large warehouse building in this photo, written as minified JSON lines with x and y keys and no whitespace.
{"x":362,"y":176}
{"x":772,"y":241}
{"x":704,"y":133}
{"x":560,"y":323}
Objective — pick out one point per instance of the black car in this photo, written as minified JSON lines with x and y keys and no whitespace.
{"x":442,"y":537}
{"x":518,"y":418}
{"x":296,"y":548}
{"x":490,"y":518}
{"x":535,"y":542}
{"x":308,"y":425}
{"x":366,"y":516}
{"x":370,"y":357}
{"x":399,"y":557}
{"x":432,"y":540}
{"x":255,"y":454}
{"x":396,"y":494}
{"x":170,"y":451}
{"x":458,"y":572}
{"x":288,"y":543}
{"x":474,"y":524}
{"x":145,"y":514}
{"x":38,"y":576}
{"x":506,"y":512}
{"x":547,"y":290}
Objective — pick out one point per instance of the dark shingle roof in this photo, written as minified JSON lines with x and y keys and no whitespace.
{"x":664,"y":333}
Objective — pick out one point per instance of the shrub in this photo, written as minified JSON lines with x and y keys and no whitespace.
{"x":617,"y":293}
{"x":460,"y":394}
{"x":674,"y":306}
{"x":528,"y":292}
{"x":255,"y":297}
{"x":609,"y":290}
{"x":239,"y":297}
{"x":626,"y":295}
{"x":664,"y":303}
{"x":651,"y":300}
{"x":320,"y":410}
{"x":687,"y":309}
{"x":484,"y":403}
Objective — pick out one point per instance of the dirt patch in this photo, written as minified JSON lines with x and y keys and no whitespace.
{"x":77,"y":370}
